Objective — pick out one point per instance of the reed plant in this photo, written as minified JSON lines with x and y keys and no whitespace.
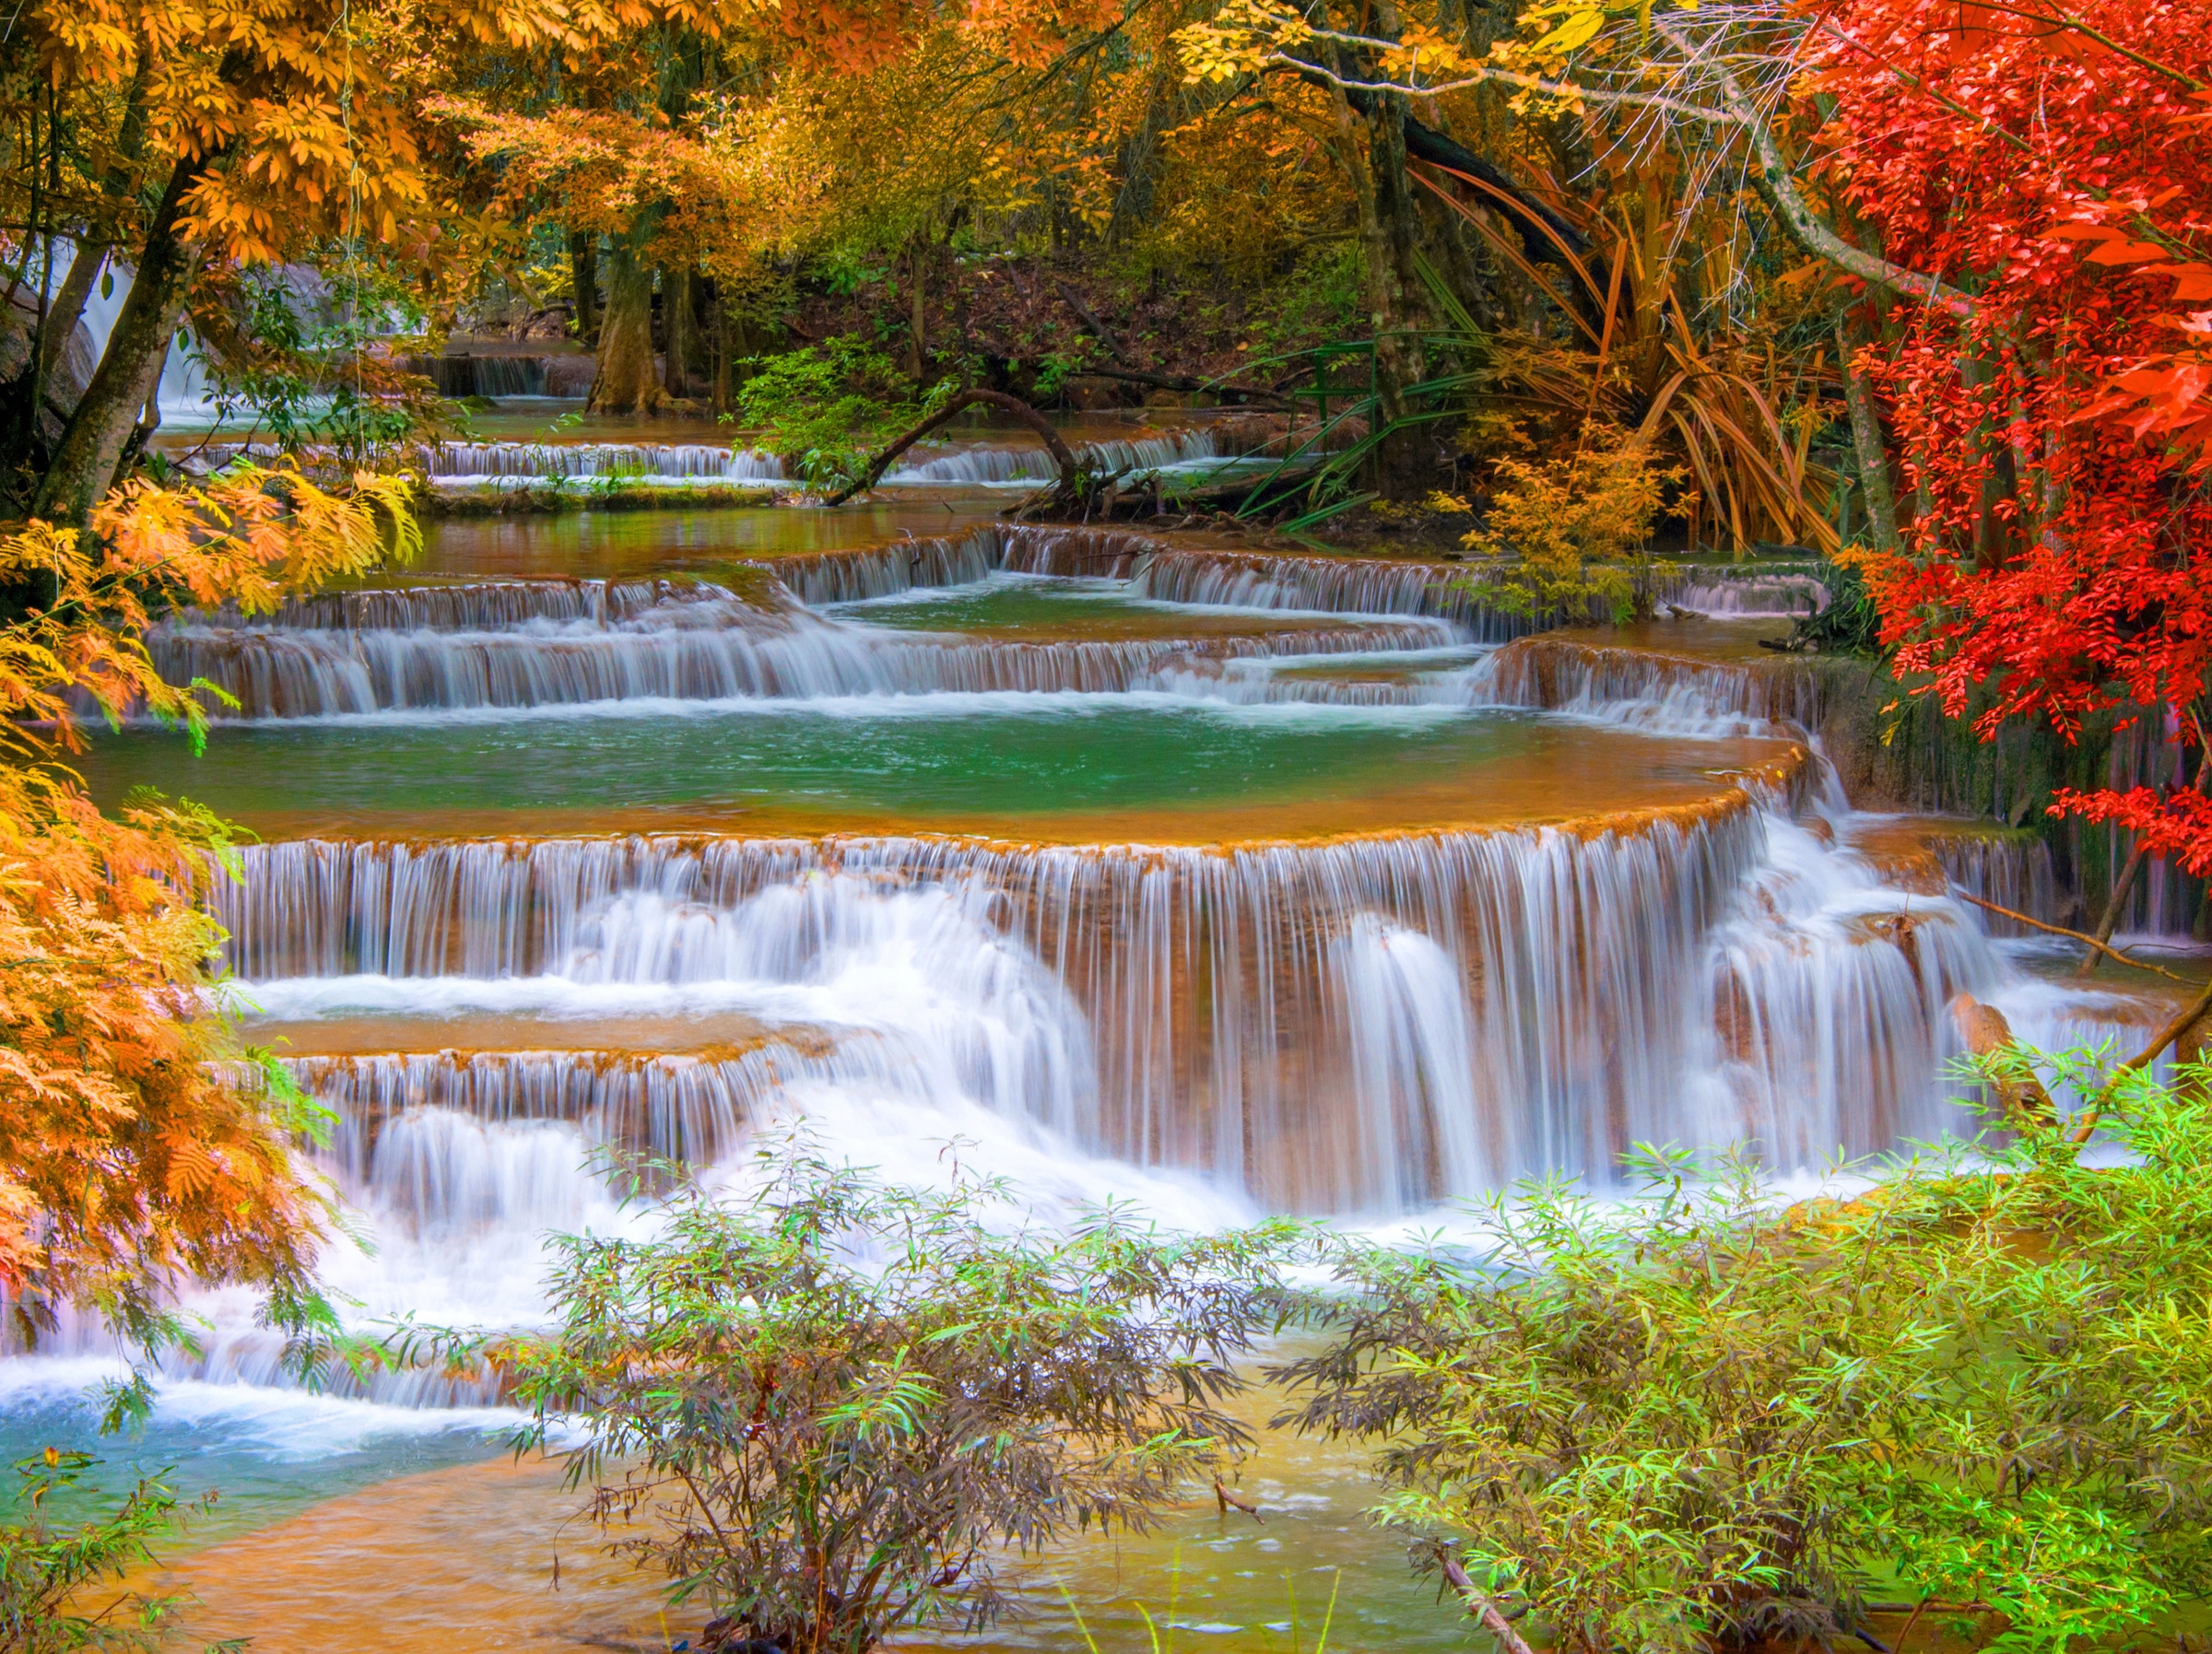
{"x":1709,"y":1417}
{"x":836,"y":1404}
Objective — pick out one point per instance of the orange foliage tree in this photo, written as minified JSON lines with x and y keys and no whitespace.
{"x":172,"y":142}
{"x":142,"y":1145}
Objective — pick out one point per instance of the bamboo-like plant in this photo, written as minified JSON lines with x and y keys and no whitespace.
{"x":1709,"y":1418}
{"x":839,"y":1403}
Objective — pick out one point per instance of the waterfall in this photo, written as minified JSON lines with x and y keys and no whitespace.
{"x":518,"y":465}
{"x":1641,"y":688}
{"x":2011,"y":869}
{"x":1166,"y":574}
{"x":977,"y":467}
{"x":1287,"y":1020}
{"x":512,"y":464}
{"x":1748,"y":593}
{"x":515,"y":644}
{"x":460,"y":375}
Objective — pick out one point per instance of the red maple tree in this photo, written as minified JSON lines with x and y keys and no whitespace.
{"x":2053,"y":168}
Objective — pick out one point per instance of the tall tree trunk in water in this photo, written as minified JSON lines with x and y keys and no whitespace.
{"x":584,"y":276}
{"x":626,"y":382}
{"x":683,"y":355}
{"x":130,"y":372}
{"x":1866,"y":444}
{"x":1389,"y":235}
{"x":917,"y":270}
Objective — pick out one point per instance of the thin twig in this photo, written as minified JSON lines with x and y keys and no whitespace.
{"x":2060,"y":930}
{"x":1510,"y":1641}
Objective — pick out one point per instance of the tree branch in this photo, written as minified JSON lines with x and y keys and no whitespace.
{"x":1054,"y":444}
{"x":1510,"y":1641}
{"x":1778,"y":188}
{"x":2060,"y":930}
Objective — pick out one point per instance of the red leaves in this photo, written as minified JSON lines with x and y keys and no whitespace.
{"x":2054,"y":440}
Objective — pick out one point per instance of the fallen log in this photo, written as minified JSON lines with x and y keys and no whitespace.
{"x":1053,"y":442}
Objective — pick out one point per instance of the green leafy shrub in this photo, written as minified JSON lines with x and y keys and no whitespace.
{"x":824,"y":408}
{"x":304,"y":380}
{"x":50,"y":1571}
{"x":840,"y":1403}
{"x":1707,"y":1418}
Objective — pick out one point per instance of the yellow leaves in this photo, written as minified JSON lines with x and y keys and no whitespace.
{"x":245,"y":539}
{"x":1573,"y":31}
{"x":1244,"y":37}
{"x":1424,"y":57}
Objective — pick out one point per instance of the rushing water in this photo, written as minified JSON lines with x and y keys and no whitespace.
{"x":1223,"y":882}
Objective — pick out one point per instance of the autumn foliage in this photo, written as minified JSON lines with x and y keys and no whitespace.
{"x":2055,"y":170}
{"x":141,"y":1146}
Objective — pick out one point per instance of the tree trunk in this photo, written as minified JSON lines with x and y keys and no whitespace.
{"x":130,"y":370}
{"x":92,"y":251}
{"x":682,"y":321}
{"x":1389,"y":233}
{"x":1866,"y":443}
{"x":720,"y":330}
{"x":917,"y":270}
{"x":626,"y":382}
{"x":584,"y":276}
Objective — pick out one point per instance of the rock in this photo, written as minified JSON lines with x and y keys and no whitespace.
{"x":551,"y":322}
{"x":570,"y":375}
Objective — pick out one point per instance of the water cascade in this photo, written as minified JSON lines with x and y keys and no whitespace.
{"x":1356,"y":1021}
{"x":549,"y":644}
{"x":518,"y":465}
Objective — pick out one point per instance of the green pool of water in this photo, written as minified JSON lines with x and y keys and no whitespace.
{"x":616,"y":544}
{"x":1065,"y":767}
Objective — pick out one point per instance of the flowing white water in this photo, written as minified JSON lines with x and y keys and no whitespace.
{"x":1364,"y":1027}
{"x":514,"y":644}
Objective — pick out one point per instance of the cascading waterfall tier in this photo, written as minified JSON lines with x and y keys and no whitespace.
{"x":510,"y":464}
{"x":521,"y":463}
{"x":1644,"y":689}
{"x":516,"y":643}
{"x":1366,"y":1024}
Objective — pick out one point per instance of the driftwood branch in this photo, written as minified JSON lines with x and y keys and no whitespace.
{"x":1055,"y":444}
{"x":1510,"y":1641}
{"x":1099,"y":331}
{"x":2060,"y":930}
{"x":1225,"y":1499}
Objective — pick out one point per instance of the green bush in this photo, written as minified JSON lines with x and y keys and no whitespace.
{"x":824,"y":408}
{"x":50,"y":1571}
{"x":1707,"y":1417}
{"x":840,"y":1403}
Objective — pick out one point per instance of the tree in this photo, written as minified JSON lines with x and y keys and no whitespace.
{"x":142,"y":1145}
{"x":840,"y":1400}
{"x":2052,"y":167}
{"x":184,"y":141}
